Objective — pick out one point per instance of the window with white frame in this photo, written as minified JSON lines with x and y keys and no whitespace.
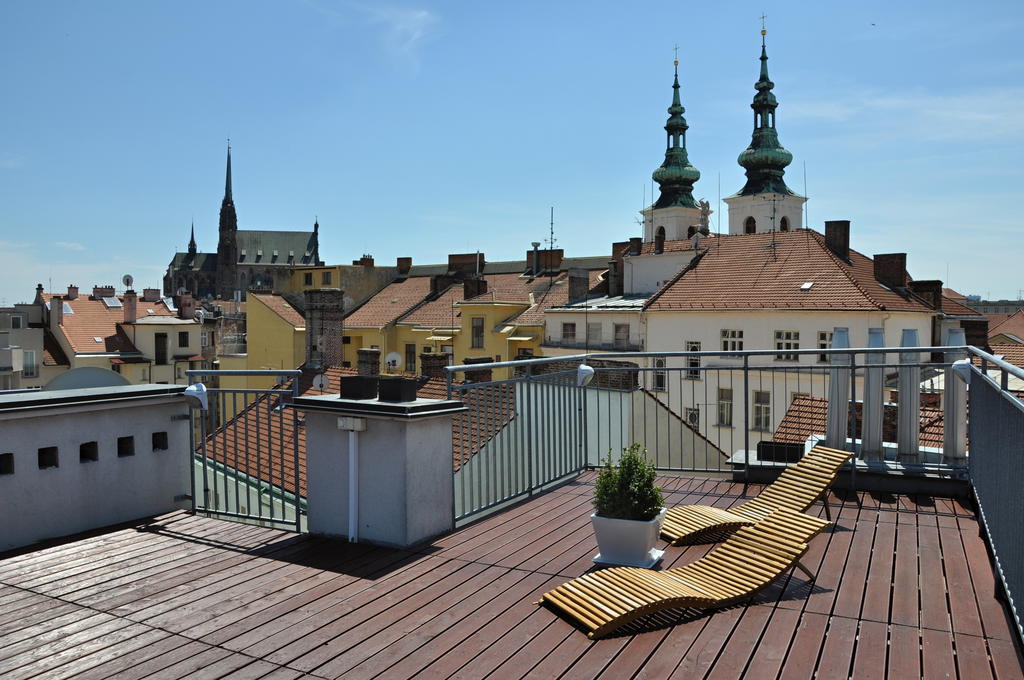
{"x":204,"y":339}
{"x":660,"y":377}
{"x":692,"y":363}
{"x":569,"y":332}
{"x":30,"y":368}
{"x":725,"y":407}
{"x":786,"y":340}
{"x":17,"y":321}
{"x":824,"y":342}
{"x":692,"y":416}
{"x":762,"y":410}
{"x":732,"y":340}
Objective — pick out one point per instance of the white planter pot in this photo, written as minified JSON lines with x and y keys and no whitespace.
{"x":626,"y":542}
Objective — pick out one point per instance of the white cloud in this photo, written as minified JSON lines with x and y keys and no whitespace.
{"x":69,"y":245}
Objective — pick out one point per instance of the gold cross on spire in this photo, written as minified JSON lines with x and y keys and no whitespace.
{"x":763,"y":17}
{"x":676,"y":50}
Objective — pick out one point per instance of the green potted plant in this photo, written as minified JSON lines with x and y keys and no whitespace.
{"x":628,"y":511}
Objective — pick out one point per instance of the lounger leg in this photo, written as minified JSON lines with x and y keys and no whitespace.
{"x":805,"y":570}
{"x":828,"y":511}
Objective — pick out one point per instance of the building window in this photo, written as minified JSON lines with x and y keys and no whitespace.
{"x":525,"y":352}
{"x":732,"y":340}
{"x":568,"y":332}
{"x":621,"y":335}
{"x":660,"y":377}
{"x":125,"y":446}
{"x":346,"y":339}
{"x":725,"y":407}
{"x":824,"y":342}
{"x":448,"y":349}
{"x":16,"y":321}
{"x":307,"y":279}
{"x":784,"y":224}
{"x":749,"y":226}
{"x":762,"y":410}
{"x":410,"y":358}
{"x":6,"y":463}
{"x":594,"y":333}
{"x":786,"y":340}
{"x":30,"y":368}
{"x":48,"y":457}
{"x":204,"y":339}
{"x":325,"y":278}
{"x":692,"y":416}
{"x":692,"y":363}
{"x":88,"y":452}
{"x":160,"y":441}
{"x":478,"y":332}
{"x":182,"y":338}
{"x":161,"y":349}
{"x":659,"y":240}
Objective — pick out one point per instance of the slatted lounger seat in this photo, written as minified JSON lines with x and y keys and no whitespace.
{"x":797,"y":488}
{"x":753,"y":557}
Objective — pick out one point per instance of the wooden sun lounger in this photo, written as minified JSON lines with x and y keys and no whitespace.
{"x":753,"y":557}
{"x":799,"y":485}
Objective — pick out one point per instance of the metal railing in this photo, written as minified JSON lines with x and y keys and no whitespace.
{"x":246,"y":463}
{"x":997,"y":477}
{"x":702,"y":412}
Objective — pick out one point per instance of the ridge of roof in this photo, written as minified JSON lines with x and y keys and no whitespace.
{"x":820,"y":240}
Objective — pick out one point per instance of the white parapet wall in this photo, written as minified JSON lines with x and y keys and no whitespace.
{"x":77,"y":460}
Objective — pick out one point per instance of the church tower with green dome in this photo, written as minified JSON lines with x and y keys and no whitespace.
{"x":675,"y":215}
{"x":765,"y":203}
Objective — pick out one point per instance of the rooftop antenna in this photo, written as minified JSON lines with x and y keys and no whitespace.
{"x":807,"y":220}
{"x":718,"y":222}
{"x":551,"y":247}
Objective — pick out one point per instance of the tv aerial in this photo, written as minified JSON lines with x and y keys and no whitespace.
{"x":127,"y":280}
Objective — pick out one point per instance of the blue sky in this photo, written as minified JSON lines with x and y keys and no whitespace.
{"x":426,"y":129}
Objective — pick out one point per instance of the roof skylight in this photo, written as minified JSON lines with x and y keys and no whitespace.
{"x":111,"y":302}
{"x":807,"y":286}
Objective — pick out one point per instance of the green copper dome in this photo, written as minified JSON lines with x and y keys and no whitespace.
{"x":765,"y":160}
{"x":676,"y":176}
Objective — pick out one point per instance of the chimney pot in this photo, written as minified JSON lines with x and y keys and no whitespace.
{"x":56,"y":312}
{"x":929,"y":291}
{"x":432,"y":365}
{"x":404,"y":265}
{"x":635,"y":244}
{"x":72,"y":292}
{"x":481,"y":375}
{"x":130,"y":306}
{"x":837,"y":238}
{"x":473,"y":286}
{"x":368,"y":362}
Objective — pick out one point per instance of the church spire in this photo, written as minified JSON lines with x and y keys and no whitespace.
{"x":676,"y":176}
{"x":192,"y":248}
{"x":765,"y":160}
{"x":227,"y":179}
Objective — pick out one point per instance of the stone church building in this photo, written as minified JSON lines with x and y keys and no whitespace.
{"x":246,"y":259}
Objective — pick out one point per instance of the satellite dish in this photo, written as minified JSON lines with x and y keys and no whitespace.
{"x":127,"y":280}
{"x":201,"y":315}
{"x":181,"y":289}
{"x":321,"y":383}
{"x":393,"y":360}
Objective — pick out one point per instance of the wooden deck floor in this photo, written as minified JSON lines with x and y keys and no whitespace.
{"x":904,"y":589}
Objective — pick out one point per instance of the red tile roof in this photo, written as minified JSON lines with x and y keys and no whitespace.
{"x":767,"y":271}
{"x":1010,"y":352}
{"x":1012,"y":325}
{"x":955,"y":307}
{"x":92,"y":319}
{"x":682,"y":245}
{"x":393,"y":301}
{"x":808,"y":415}
{"x":281,"y":307}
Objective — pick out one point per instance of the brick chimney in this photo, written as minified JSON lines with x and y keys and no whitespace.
{"x":56,"y":312}
{"x":929,"y":291}
{"x":186,"y":306}
{"x":324,"y":310}
{"x":579,"y":284}
{"x":473,"y":286}
{"x":39,"y":299}
{"x":131,"y":306}
{"x":404,"y":264}
{"x":72,"y":292}
{"x":432,"y":365}
{"x":891,"y":270}
{"x":635,"y":244}
{"x":102,"y":292}
{"x":551,"y":260}
{"x":614,"y":277}
{"x":150,"y":294}
{"x":837,"y":238}
{"x":466,"y":264}
{"x":478,"y":376}
{"x":364,"y":261}
{"x":439,"y":283}
{"x":369,"y":361}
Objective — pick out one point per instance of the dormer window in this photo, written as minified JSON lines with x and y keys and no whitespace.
{"x":750,"y":226}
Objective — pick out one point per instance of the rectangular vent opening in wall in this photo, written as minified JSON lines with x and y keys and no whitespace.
{"x":88,"y":452}
{"x":6,"y":463}
{"x":48,"y":457}
{"x":125,"y":446}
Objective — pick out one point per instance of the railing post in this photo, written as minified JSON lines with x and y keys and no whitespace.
{"x":746,"y":419}
{"x":838,"y":391}
{"x":908,"y":432}
{"x":531,"y":430}
{"x":954,"y":446}
{"x":874,"y":377}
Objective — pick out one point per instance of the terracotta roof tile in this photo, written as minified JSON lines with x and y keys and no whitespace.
{"x":808,"y":415}
{"x":1011,"y":325}
{"x":1011,"y":353}
{"x":396,"y":299}
{"x":92,"y":319}
{"x":957,"y":308}
{"x":767,"y":271}
{"x":282,"y":308}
